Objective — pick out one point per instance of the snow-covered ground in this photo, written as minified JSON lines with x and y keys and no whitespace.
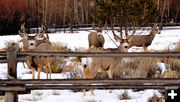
{"x":166,"y":40}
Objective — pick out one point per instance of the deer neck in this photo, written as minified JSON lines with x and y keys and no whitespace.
{"x":152,"y":35}
{"x":25,"y":45}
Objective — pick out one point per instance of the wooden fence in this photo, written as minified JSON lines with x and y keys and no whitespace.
{"x":12,"y":86}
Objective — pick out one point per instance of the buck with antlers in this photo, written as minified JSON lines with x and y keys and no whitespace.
{"x":38,"y":43}
{"x":96,"y":39}
{"x":104,"y":63}
{"x":143,"y":40}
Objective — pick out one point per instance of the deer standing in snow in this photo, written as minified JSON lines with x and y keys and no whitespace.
{"x":38,"y":43}
{"x":96,"y":39}
{"x":104,"y":63}
{"x":143,"y":40}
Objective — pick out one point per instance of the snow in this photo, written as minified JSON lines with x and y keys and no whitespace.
{"x":164,"y":41}
{"x":100,"y":96}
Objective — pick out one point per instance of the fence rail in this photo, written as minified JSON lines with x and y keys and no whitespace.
{"x":23,"y":54}
{"x":15,"y":86}
{"x":125,"y":83}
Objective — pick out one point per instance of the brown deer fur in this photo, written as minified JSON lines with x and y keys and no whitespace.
{"x":32,"y":43}
{"x":104,"y":63}
{"x":96,"y":39}
{"x":143,"y":40}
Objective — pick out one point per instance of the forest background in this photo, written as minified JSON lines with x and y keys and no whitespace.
{"x":73,"y":13}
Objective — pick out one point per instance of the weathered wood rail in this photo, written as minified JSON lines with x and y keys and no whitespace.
{"x":13,"y":86}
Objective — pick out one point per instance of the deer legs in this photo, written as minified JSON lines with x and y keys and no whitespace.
{"x":91,"y":75}
{"x":145,"y":48}
{"x":33,"y":72}
{"x":48,"y":70}
{"x":110,"y":74}
{"x":88,"y":74}
{"x":39,"y":70}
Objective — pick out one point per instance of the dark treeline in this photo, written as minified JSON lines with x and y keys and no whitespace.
{"x":67,"y":13}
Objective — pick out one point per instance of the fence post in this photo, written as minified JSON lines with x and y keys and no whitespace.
{"x":12,"y":71}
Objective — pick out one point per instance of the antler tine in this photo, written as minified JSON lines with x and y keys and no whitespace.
{"x":23,"y":30}
{"x":105,"y":26}
{"x":133,"y":32}
{"x":134,"y":29}
{"x":94,"y":27}
{"x":43,"y":28}
{"x":115,"y":36}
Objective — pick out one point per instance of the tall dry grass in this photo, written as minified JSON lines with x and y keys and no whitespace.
{"x":134,"y":68}
{"x":155,"y":98}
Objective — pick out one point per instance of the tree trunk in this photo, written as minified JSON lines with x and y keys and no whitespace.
{"x":162,"y":15}
{"x":82,"y":12}
{"x":76,"y":19}
{"x":65,"y":10}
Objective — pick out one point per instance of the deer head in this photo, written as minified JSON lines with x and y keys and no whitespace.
{"x":100,"y":29}
{"x":123,"y":47}
{"x":31,"y":41}
{"x":154,"y":29}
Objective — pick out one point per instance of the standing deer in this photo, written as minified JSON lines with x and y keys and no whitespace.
{"x":143,"y":40}
{"x":104,"y":63}
{"x":38,"y":43}
{"x":96,"y":39}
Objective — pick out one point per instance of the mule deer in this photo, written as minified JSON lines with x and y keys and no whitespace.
{"x":96,"y":39}
{"x":38,"y":43}
{"x":143,"y":40}
{"x":104,"y":63}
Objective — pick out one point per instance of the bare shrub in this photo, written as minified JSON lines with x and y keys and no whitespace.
{"x":174,"y":70}
{"x":134,"y":68}
{"x":1,"y":98}
{"x":58,"y":63}
{"x":92,"y":101}
{"x":55,"y":92}
{"x":124,"y":96}
{"x":169,"y":73}
{"x":137,"y":68}
{"x":75,"y":68}
{"x":155,"y":98}
{"x":177,"y":48}
{"x":58,"y":47}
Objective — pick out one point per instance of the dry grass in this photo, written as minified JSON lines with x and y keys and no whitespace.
{"x":156,"y":99}
{"x":174,"y":70}
{"x":74,"y":69}
{"x":134,"y":68}
{"x":58,"y":62}
{"x":38,"y":93}
{"x":124,"y":96}
{"x":55,"y":93}
{"x":58,"y":47}
{"x":1,"y":98}
{"x":177,"y":49}
{"x":8,"y":43}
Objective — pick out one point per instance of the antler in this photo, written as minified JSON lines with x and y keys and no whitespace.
{"x":94,"y":27}
{"x":117,"y":38}
{"x":133,"y":32}
{"x":43,"y":28}
{"x":155,"y":24}
{"x":105,"y":26}
{"x":22,"y":31}
{"x":42,"y":31}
